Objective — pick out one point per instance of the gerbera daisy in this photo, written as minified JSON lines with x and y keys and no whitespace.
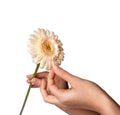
{"x":45,"y":48}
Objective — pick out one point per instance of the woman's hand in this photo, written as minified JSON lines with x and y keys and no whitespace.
{"x":60,"y":83}
{"x":82,"y":94}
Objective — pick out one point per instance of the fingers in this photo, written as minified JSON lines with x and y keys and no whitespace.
{"x":47,"y":97}
{"x":42,"y":74}
{"x":64,"y":74}
{"x":39,"y":75}
{"x":36,"y":82}
{"x":54,"y":90}
{"x":43,"y":88}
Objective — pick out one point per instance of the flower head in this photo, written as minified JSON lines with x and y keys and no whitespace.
{"x":45,"y":48}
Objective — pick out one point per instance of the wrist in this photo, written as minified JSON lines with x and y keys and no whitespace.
{"x":108,"y":106}
{"x":81,"y":112}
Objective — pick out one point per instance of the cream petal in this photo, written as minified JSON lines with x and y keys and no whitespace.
{"x":54,"y":61}
{"x":43,"y":62}
{"x":56,"y":37}
{"x":47,"y":65}
{"x":42,"y":33}
{"x":35,"y":60}
{"x":61,"y":55}
{"x":58,"y":62}
{"x":50,"y":64}
{"x":38,"y":35}
{"x":33,"y":37}
{"x":48,"y":33}
{"x":60,"y":43}
{"x":52,"y":35}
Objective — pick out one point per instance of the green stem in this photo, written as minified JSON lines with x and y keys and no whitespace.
{"x":29,"y":88}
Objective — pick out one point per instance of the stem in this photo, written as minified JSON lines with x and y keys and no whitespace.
{"x":29,"y":88}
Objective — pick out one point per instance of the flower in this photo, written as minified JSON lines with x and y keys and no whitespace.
{"x":46,"y":51}
{"x":45,"y":48}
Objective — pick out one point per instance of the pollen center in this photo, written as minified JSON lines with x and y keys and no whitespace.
{"x":47,"y":47}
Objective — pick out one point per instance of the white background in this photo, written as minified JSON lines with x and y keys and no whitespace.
{"x":90,"y":32}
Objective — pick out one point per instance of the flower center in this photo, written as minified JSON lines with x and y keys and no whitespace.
{"x":47,"y":47}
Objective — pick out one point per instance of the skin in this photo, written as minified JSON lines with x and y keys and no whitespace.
{"x":82,"y":97}
{"x":60,"y":83}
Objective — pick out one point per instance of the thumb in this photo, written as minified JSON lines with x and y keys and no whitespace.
{"x":64,"y":74}
{"x":54,"y":90}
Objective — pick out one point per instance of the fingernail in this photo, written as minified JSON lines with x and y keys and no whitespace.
{"x":33,"y":80}
{"x":32,"y":83}
{"x":55,"y":68}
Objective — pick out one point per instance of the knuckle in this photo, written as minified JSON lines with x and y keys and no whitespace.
{"x":45,"y":99}
{"x":64,"y":100}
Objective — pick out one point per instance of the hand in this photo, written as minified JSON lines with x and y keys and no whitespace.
{"x":36,"y":82}
{"x":82,"y":94}
{"x":60,"y":83}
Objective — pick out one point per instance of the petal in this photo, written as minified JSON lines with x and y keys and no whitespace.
{"x":43,"y":62}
